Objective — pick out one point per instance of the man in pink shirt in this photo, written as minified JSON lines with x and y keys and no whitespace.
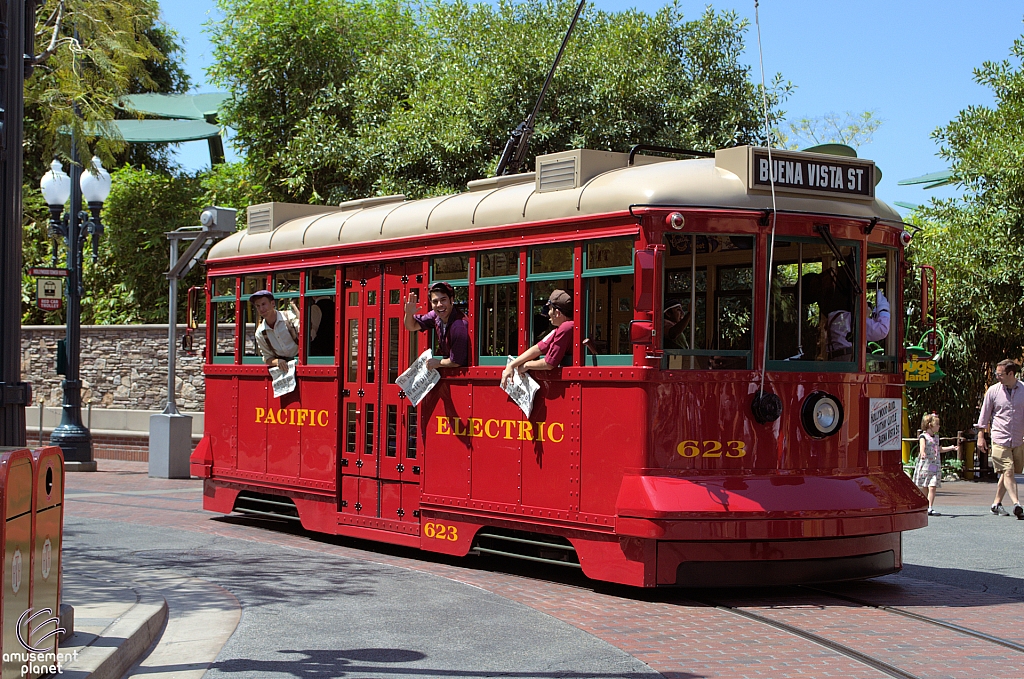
{"x":550,"y":352}
{"x":1002,"y":410}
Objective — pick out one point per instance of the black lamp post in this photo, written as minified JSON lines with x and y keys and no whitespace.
{"x":74,"y":226}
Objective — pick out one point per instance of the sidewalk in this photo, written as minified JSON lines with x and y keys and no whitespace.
{"x":142,"y":622}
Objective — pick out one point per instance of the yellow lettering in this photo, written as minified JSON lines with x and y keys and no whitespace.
{"x":302,"y":417}
{"x":476,"y":427}
{"x":270,"y":417}
{"x":508,"y":427}
{"x":326,"y":418}
{"x":281,"y":419}
{"x":525,"y":431}
{"x":443,"y":426}
{"x":540,"y":431}
{"x":291,"y":416}
{"x":551,"y":432}
{"x":259,"y":414}
{"x":487,"y":428}
{"x":459,"y":431}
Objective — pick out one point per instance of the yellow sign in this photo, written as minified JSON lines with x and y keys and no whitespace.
{"x":439,"y":531}
{"x":712,"y":448}
{"x":511,"y":430}
{"x":299,"y":417}
{"x":923,"y":371}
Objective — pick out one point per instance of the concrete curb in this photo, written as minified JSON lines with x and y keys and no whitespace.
{"x":123,"y":642}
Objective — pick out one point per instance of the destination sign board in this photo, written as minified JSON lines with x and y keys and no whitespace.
{"x":813,"y":173}
{"x":48,"y":273}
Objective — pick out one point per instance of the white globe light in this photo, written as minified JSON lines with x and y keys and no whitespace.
{"x":56,"y":185}
{"x":95,"y":183}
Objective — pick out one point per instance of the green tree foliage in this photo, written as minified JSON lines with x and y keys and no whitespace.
{"x":851,"y":129}
{"x":120,"y":48}
{"x":336,"y":100}
{"x":976,"y":242}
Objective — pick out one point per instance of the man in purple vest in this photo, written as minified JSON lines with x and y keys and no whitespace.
{"x":450,"y":324}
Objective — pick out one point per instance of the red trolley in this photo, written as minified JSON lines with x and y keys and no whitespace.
{"x":731,"y":414}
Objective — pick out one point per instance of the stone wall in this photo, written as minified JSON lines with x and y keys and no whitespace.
{"x":122,"y":366}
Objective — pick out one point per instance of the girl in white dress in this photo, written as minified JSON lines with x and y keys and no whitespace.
{"x":928,"y":472}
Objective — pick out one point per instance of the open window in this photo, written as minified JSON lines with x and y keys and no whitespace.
{"x":223,"y":312}
{"x":318,"y":321}
{"x":608,"y":301}
{"x":251,"y":319}
{"x":497,"y":293}
{"x":815,"y":306}
{"x":551,"y":268}
{"x":708,"y":302}
{"x":882,"y":295}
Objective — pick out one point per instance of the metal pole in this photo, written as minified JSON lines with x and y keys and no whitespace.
{"x":14,"y":394}
{"x":71,"y":435}
{"x":172,"y":334}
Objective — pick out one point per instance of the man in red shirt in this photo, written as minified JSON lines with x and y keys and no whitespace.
{"x":553,"y":350}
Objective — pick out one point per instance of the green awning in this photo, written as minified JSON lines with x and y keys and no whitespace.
{"x":156,"y":131}
{"x":906,"y":206}
{"x":932,"y":179}
{"x":188,"y":106}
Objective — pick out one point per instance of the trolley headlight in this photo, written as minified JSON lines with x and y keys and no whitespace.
{"x":822,"y":414}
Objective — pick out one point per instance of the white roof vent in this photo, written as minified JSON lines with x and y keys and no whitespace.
{"x":266,"y":217}
{"x":573,"y":169}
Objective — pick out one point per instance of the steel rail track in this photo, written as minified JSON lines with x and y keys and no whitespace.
{"x":923,"y":618}
{"x":841,"y":649}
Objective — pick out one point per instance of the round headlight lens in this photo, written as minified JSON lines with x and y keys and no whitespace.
{"x":822,"y":414}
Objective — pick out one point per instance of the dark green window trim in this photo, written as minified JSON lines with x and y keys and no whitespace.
{"x":320,"y":360}
{"x":533,"y":278}
{"x":492,"y":360}
{"x":494,"y":280}
{"x":326,"y":292}
{"x":612,"y":271}
{"x":224,"y":359}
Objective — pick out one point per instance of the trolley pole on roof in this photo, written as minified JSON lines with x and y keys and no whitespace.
{"x":515,"y":149}
{"x":170,"y":432}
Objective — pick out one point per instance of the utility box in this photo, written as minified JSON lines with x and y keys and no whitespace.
{"x":170,"y":445}
{"x":47,"y":539}
{"x":16,"y":504}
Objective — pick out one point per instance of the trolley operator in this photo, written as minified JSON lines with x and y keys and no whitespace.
{"x":450,"y":323}
{"x":278,"y":333}
{"x":551,"y":351}
{"x":1002,"y":410}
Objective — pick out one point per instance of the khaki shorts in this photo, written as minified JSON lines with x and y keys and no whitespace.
{"x":1002,"y":458}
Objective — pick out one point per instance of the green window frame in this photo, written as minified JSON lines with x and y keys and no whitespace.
{"x":222,"y":299}
{"x":331,"y":292}
{"x":481,"y":282}
{"x":592,"y":270}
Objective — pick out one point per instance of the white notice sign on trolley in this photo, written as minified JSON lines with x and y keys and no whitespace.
{"x":884,"y":424}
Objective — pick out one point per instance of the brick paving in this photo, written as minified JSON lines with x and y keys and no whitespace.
{"x":678,"y":637}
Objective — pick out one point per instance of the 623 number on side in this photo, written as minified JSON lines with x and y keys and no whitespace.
{"x":712,"y":448}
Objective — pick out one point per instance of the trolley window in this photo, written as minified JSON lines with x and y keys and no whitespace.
{"x":882,"y":295}
{"x":608,"y":301}
{"x":550,"y":268}
{"x":223,"y":311}
{"x":454,"y":270}
{"x":251,"y":319}
{"x":497,"y":291}
{"x":814,"y":307}
{"x":320,"y":315}
{"x":708,"y":302}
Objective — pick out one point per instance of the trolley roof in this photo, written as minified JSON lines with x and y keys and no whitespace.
{"x":572,"y":184}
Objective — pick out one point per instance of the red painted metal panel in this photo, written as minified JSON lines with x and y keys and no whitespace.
{"x":349,"y":494}
{"x":449,"y":455}
{"x":368,"y":503}
{"x":447,"y":534}
{"x":629,"y":561}
{"x":220,"y":421}
{"x":252,"y":430}
{"x":494,"y":432}
{"x":218,"y":497}
{"x":391,"y":500}
{"x":319,"y":438}
{"x":285,"y":417}
{"x":613,"y":438}
{"x":550,"y":460}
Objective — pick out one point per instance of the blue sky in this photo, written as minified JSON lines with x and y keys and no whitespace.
{"x":909,"y":61}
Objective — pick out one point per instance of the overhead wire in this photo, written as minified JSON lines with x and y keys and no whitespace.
{"x":771,"y":182}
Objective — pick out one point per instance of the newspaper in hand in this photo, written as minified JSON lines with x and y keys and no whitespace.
{"x":522,"y":388}
{"x":284,"y":380}
{"x":418,"y":379}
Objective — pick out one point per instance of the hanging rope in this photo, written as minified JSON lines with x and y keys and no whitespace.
{"x":771,"y":181}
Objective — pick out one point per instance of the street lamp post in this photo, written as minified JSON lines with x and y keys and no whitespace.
{"x":75,"y":226}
